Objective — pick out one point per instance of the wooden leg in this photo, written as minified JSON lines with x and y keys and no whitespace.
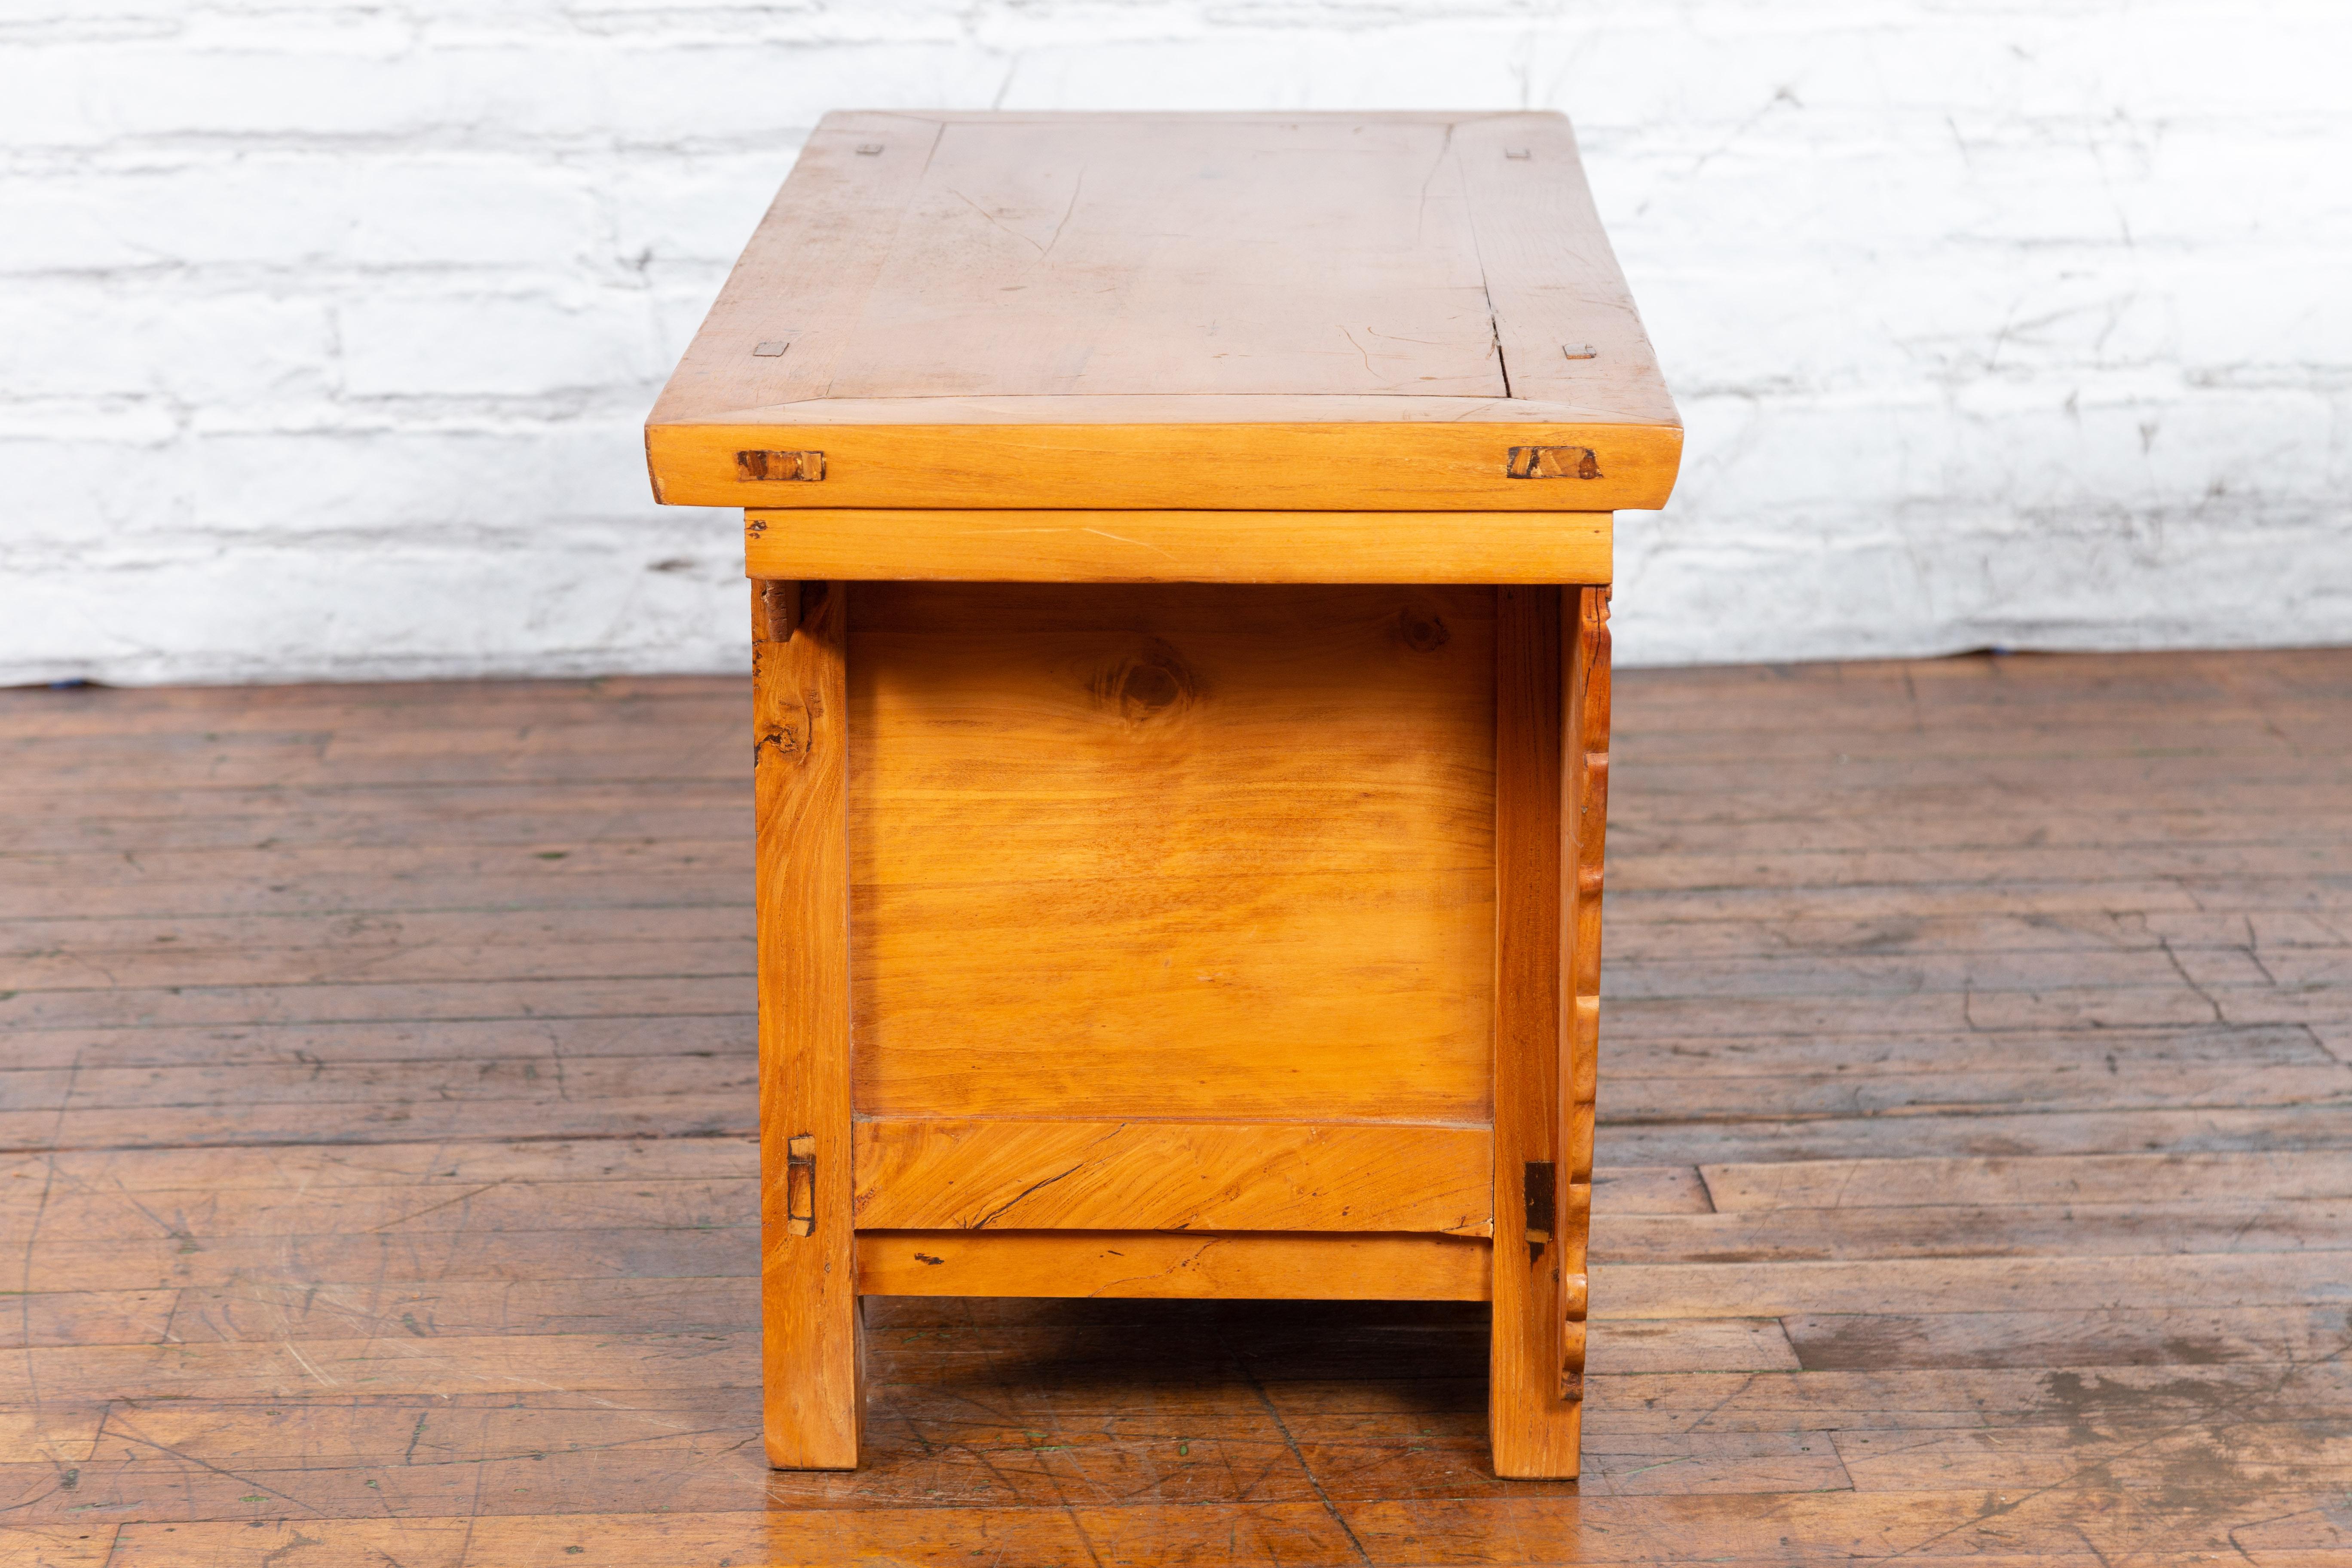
{"x":1543,"y":1060}
{"x":813,"y":1357}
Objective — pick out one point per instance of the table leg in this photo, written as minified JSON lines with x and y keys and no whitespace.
{"x":1550,"y":770}
{"x":813,"y":1358}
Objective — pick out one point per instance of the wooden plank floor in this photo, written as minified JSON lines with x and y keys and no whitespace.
{"x":1976,"y":1166}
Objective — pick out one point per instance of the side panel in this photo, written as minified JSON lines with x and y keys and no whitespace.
{"x":1204,"y":853}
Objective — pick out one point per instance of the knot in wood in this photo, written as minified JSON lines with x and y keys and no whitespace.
{"x":786,"y":736}
{"x":1421,"y":634}
{"x":1147,"y":685}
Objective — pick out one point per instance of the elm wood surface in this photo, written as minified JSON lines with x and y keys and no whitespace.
{"x":1533,"y":1429}
{"x":814,"y":1349}
{"x":1973,"y":1185}
{"x":1355,"y":313}
{"x":1006,"y":545}
{"x":1199,"y":1265}
{"x":979,"y":1173}
{"x":1202,"y":853}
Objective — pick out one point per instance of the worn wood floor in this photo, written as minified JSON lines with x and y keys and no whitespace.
{"x":1976,"y":1159}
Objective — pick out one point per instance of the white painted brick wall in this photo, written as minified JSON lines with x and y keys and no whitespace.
{"x":326,"y":328}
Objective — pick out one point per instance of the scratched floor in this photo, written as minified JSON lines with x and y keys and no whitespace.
{"x":1976,"y":1159}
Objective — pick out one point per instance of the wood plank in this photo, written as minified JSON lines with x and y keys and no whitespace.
{"x":709,"y":1115}
{"x":432,"y":1169}
{"x":813,"y":1357}
{"x":2005,"y":1230}
{"x":397,"y":1364}
{"x":1001,"y":545}
{"x":2244,"y":1454}
{"x":1183,"y":453}
{"x":2119,"y":1399}
{"x":690,"y":1252}
{"x":524,"y":865}
{"x":1638,"y":1098}
{"x":513,"y":811}
{"x":2194,"y":1130}
{"x":1910,"y":1285}
{"x":2112,"y":1337}
{"x":2278,"y":1175}
{"x":1873,"y":974}
{"x":1962,"y":824}
{"x":2024,"y":1011}
{"x":1898,"y":866}
{"x":499,"y":748}
{"x":2154,"y":895}
{"x":1984,"y":1058}
{"x":1534,"y":1424}
{"x":1260,"y":1265}
{"x":321,"y":893}
{"x":540,"y":1201}
{"x":1261,"y":924}
{"x":713,"y":993}
{"x":915,"y":1174}
{"x":185,"y":1310}
{"x":509,"y":1070}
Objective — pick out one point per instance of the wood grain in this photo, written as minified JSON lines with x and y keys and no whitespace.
{"x":998,"y":546}
{"x":1129,"y":311}
{"x":1144,"y":852}
{"x":927,"y":1175}
{"x":1123,"y":255}
{"x":813,"y":1354}
{"x":1245,"y":1265}
{"x":466,"y":1132}
{"x":1548,"y":267}
{"x":1180,"y":455}
{"x":1533,"y":1424}
{"x":1585,"y":817}
{"x":804,"y":277}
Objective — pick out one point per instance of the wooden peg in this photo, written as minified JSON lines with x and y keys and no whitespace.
{"x":1552,"y":463}
{"x":800,"y":1185}
{"x":780,"y":610}
{"x":764,"y":466}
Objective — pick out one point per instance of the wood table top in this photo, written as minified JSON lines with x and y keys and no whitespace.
{"x":1329,"y":312}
